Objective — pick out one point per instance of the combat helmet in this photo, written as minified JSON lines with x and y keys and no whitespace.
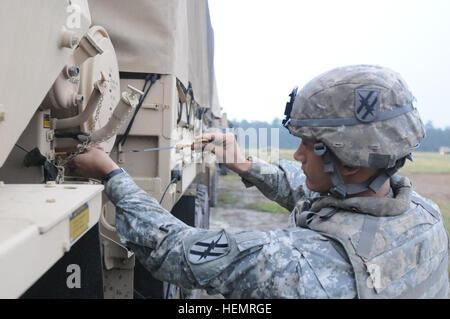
{"x":364,"y":115}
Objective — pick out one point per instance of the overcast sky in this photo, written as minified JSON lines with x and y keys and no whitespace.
{"x":263,"y":48}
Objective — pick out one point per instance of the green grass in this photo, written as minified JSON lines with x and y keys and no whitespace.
{"x":424,"y":162}
{"x":268,"y":156}
{"x":287,"y":154}
{"x":270,"y":207}
{"x":428,"y":163}
{"x":231,"y":177}
{"x":445,"y":210}
{"x":227,"y":199}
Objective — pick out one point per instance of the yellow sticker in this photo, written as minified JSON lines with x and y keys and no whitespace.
{"x":46,"y":120}
{"x":79,"y":221}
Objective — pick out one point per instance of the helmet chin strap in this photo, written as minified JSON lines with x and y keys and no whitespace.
{"x":342,"y":190}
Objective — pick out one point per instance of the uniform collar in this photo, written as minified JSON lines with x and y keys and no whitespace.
{"x":395,"y":203}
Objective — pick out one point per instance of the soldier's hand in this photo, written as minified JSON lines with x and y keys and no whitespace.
{"x":227,"y":151}
{"x":93,"y":163}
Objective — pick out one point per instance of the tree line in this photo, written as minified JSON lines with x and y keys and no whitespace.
{"x":435,"y":137}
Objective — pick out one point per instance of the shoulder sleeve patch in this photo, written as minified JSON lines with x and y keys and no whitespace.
{"x":209,"y":248}
{"x":211,"y":252}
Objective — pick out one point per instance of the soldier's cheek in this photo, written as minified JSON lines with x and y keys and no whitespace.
{"x":310,"y":184}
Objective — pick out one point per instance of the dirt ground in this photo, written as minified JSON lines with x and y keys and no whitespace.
{"x":433,"y":186}
{"x":235,"y":217}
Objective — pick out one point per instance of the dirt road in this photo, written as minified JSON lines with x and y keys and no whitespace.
{"x":433,"y":186}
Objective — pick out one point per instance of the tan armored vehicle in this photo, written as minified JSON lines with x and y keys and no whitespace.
{"x":136,"y":78}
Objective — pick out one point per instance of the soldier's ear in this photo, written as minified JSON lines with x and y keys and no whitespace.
{"x":345,"y":170}
{"x":349,"y":171}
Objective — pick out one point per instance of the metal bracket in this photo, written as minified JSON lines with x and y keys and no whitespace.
{"x":118,"y":275}
{"x":115,"y":255}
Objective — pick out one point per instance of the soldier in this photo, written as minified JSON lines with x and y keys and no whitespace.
{"x":356,"y":229}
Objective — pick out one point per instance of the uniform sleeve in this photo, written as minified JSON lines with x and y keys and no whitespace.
{"x":249,"y":264}
{"x":283,"y":182}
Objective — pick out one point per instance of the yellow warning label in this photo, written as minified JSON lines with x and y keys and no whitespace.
{"x":79,"y":221}
{"x":46,"y":120}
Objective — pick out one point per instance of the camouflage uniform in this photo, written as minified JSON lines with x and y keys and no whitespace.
{"x":288,"y":263}
{"x":294,"y":262}
{"x":335,"y":246}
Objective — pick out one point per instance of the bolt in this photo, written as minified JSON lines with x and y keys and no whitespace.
{"x":69,"y":39}
{"x":78,"y":99}
{"x":73,"y":71}
{"x":74,"y":41}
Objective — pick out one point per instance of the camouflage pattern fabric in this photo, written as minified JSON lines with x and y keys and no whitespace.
{"x":249,"y":264}
{"x":397,"y":247}
{"x":345,"y":95}
{"x":294,"y":262}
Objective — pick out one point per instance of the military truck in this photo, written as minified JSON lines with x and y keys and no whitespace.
{"x":136,"y":78}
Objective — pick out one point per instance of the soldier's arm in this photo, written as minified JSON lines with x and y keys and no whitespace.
{"x":283,"y":182}
{"x":249,"y":264}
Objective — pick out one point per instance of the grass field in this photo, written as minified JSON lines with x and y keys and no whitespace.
{"x":228,"y":198}
{"x":270,"y":207}
{"x":428,"y":163}
{"x":423,"y":163}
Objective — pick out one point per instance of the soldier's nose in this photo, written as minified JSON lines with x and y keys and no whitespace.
{"x":300,"y":156}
